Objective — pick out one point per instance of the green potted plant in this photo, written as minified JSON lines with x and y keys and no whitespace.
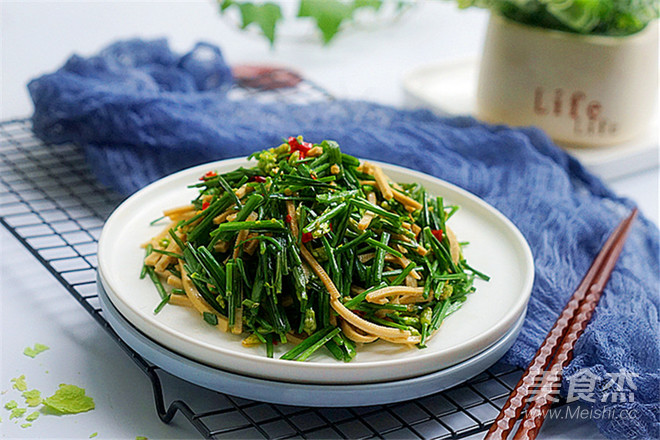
{"x":586,"y":71}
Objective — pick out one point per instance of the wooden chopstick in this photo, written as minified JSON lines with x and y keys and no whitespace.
{"x":535,"y":415}
{"x":599,"y":272}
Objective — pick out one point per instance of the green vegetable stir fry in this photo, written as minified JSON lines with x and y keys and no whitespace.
{"x":314,"y":247}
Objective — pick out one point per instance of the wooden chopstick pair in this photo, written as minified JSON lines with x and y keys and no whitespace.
{"x":558,"y":345}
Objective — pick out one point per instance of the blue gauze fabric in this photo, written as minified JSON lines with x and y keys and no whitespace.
{"x":141,"y":111}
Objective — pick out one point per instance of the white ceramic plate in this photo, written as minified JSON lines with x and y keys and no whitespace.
{"x":496,"y":248}
{"x":303,"y":394}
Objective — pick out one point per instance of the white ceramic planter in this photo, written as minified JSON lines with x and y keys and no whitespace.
{"x":582,"y":90}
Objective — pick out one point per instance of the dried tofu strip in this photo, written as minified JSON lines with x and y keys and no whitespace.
{"x":155,"y":240}
{"x":179,"y":210}
{"x":251,"y":341}
{"x":405,"y":200}
{"x":355,"y":335}
{"x":366,"y":326}
{"x":413,"y":299}
{"x":223,"y":217}
{"x":237,"y":329}
{"x":242,"y":235}
{"x":411,"y":281}
{"x":385,"y":292}
{"x":365,"y":221}
{"x":382,"y":182}
{"x":398,"y":194}
{"x":198,"y":301}
{"x":251,"y":246}
{"x":294,"y":338}
{"x":402,"y":237}
{"x":222,"y":246}
{"x":183,"y":216}
{"x":180,"y":300}
{"x":454,"y":247}
{"x":152,"y":259}
{"x":421,"y":250}
{"x":403,"y":262}
{"x":174,"y":282}
{"x":166,"y":260}
{"x":243,"y":191}
{"x":411,"y":340}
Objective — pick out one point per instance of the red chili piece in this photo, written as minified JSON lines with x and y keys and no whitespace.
{"x":297,"y":146}
{"x":208,"y":175}
{"x":437,"y":233}
{"x":287,"y":218}
{"x":307,"y":237}
{"x":205,"y":205}
{"x":260,"y":179}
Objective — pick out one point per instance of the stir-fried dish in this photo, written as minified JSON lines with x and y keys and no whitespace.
{"x":314,"y":247}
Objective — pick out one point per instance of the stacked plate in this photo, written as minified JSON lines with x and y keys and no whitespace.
{"x":180,"y":342}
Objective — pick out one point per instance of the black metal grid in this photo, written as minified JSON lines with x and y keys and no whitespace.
{"x":51,"y":202}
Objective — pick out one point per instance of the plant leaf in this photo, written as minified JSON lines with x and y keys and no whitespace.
{"x":224,"y":4}
{"x":329,"y":15}
{"x":579,"y":15}
{"x":374,"y":4}
{"x":265,"y":15}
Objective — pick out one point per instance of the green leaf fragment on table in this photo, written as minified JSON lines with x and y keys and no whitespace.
{"x":32,"y":397}
{"x":34,"y":351}
{"x":32,"y":416}
{"x":11,"y":405}
{"x":93,"y":434}
{"x":26,"y":425}
{"x":18,"y":383}
{"x":69,"y":399}
{"x":141,"y":437}
{"x":17,"y":413}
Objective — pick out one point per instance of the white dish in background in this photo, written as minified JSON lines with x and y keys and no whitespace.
{"x":301,"y":394}
{"x":497,"y":248}
{"x":449,"y":89}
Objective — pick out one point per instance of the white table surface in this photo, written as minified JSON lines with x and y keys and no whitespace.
{"x":38,"y":36}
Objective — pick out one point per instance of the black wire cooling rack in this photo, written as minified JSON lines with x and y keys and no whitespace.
{"x":51,"y":203}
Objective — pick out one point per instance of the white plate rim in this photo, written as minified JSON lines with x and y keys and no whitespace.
{"x":303,"y":394}
{"x":313,"y":372}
